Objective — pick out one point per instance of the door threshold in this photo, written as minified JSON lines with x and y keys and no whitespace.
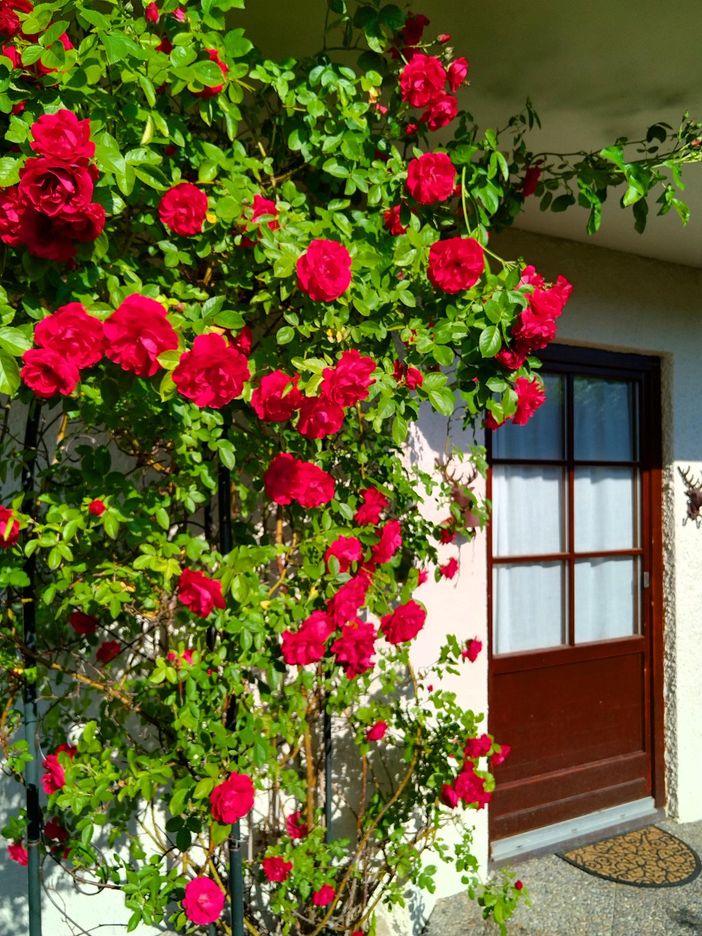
{"x":575,"y":832}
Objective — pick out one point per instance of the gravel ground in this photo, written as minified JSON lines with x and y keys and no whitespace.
{"x":569,"y":902}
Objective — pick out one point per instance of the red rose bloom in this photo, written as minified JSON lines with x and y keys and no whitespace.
{"x":313,"y":487}
{"x":441,"y":112}
{"x":391,"y":219}
{"x":448,"y":796}
{"x":54,"y":187}
{"x":47,"y":373}
{"x":431,"y":178}
{"x":532,"y":331}
{"x":472,"y":649}
{"x":477,"y":747}
{"x":512,"y":358}
{"x":54,"y":777}
{"x":355,"y":647}
{"x":9,"y":20}
{"x":307,"y":644}
{"x":457,"y":73}
{"x":212,"y":90}
{"x":276,"y":398}
{"x":319,"y":417}
{"x":44,"y":236}
{"x":204,"y":901}
{"x":107,"y":651}
{"x":413,"y":30}
{"x":262,"y":207}
{"x":233,"y":799}
{"x":10,"y":216}
{"x":83,"y":623}
{"x":288,"y":479}
{"x":530,"y":396}
{"x":531,"y":180}
{"x":199,"y":593}
{"x":9,"y":528}
{"x":449,"y":569}
{"x":85,"y":224}
{"x":55,"y":832}
{"x":346,"y":550}
{"x":183,"y":208}
{"x":295,"y":828}
{"x":518,"y":885}
{"x":276,"y":869}
{"x":348,"y":600}
{"x":390,"y":541}
{"x":70,"y":331}
{"x":97,"y":507}
{"x":324,"y":270}
{"x":404,"y":623}
{"x":348,"y":382}
{"x":377,"y":731}
{"x":137,"y":332}
{"x":151,"y":14}
{"x":471,"y":788}
{"x":16,"y":851}
{"x":374,"y":503}
{"x":455,"y":264}
{"x":62,"y":136}
{"x":213,"y":373}
{"x":499,"y":757}
{"x":422,"y":80}
{"x":243,"y":341}
{"x":324,"y":896}
{"x":413,"y":378}
{"x":447,"y":533}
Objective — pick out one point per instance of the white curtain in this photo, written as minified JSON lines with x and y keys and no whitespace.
{"x":605,"y":599}
{"x":527,"y":606}
{"x":542,"y":436}
{"x":604,"y":508}
{"x":527,"y":510}
{"x":604,"y":420}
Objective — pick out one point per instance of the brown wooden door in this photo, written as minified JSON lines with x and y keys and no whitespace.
{"x":574,"y":554}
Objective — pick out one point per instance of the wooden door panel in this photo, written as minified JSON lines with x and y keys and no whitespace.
{"x":597,"y":707}
{"x":583,"y":720}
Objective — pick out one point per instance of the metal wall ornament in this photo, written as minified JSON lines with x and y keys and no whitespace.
{"x":693,"y":492}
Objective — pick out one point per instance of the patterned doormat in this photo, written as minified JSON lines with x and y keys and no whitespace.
{"x":649,"y":857}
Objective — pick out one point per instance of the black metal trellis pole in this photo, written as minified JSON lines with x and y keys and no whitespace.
{"x":328,"y":750}
{"x":31,"y":770}
{"x":236,"y":870}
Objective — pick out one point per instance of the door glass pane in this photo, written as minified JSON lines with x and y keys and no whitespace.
{"x":528,"y":509}
{"x":604,"y":420}
{"x":606,"y":604}
{"x":605,"y":506}
{"x":528,"y":606}
{"x":542,"y":436}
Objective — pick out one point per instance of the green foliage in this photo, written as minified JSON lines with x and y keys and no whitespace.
{"x":190,"y":699}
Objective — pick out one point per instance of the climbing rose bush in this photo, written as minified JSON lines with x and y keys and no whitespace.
{"x":230,"y":285}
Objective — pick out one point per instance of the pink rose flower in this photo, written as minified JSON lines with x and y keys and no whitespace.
{"x":404,"y":623}
{"x":136,"y":333}
{"x":47,"y":373}
{"x":530,"y":396}
{"x":324,"y":896}
{"x":62,"y":136}
{"x":455,"y":264}
{"x":9,"y":528}
{"x":232,"y":799}
{"x":204,"y":901}
{"x":307,"y":644}
{"x":377,"y":731}
{"x":389,"y":542}
{"x":324,"y":270}
{"x":448,"y":569}
{"x":346,"y":550}
{"x":295,"y":827}
{"x":107,"y":651}
{"x":431,"y":178}
{"x":200,"y":593}
{"x":374,"y":503}
{"x":17,"y":852}
{"x":212,"y":373}
{"x":276,"y":398}
{"x":422,"y":80}
{"x":183,"y":209}
{"x":276,"y":869}
{"x":457,"y":73}
{"x":79,"y":337}
{"x":472,"y":649}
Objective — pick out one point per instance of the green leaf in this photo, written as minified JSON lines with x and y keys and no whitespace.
{"x":285,"y":335}
{"x":9,"y":171}
{"x":14,"y":341}
{"x":399,"y":429}
{"x":443,"y":400}
{"x":613,"y":154}
{"x":178,"y":800}
{"x":490,"y":341}
{"x":9,"y":374}
{"x":119,"y":47}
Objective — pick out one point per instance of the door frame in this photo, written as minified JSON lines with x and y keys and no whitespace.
{"x":647,"y":368}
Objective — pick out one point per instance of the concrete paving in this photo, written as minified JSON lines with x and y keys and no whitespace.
{"x":568,"y":902}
